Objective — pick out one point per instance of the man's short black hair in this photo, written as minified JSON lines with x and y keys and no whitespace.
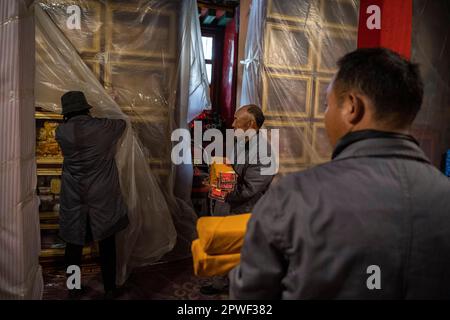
{"x":392,"y":83}
{"x":257,"y":113}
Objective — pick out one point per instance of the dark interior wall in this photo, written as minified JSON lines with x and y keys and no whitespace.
{"x":431,"y":49}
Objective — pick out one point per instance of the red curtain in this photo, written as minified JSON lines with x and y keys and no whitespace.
{"x":229,"y":69}
{"x":396,"y":26}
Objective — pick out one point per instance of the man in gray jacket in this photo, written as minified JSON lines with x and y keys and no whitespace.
{"x":252,"y":182}
{"x":91,"y":206}
{"x":374,"y":223}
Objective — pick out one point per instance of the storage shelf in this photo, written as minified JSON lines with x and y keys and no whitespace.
{"x":59,"y":252}
{"x":49,"y":226}
{"x":49,"y":160}
{"x":48,"y":215}
{"x":47,"y":116}
{"x":49,"y":171}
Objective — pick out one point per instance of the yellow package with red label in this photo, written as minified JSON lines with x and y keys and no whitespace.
{"x":217,"y":194}
{"x":222,"y":176}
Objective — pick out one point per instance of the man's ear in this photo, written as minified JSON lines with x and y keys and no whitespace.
{"x":250,"y":121}
{"x":355,"y":109}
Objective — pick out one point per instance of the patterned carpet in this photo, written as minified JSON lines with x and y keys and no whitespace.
{"x":174,"y":281}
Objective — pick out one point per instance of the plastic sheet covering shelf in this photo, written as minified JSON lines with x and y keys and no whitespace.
{"x":290,"y":83}
{"x":140,"y":61}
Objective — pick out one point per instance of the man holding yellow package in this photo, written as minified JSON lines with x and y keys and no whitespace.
{"x":235,"y":188}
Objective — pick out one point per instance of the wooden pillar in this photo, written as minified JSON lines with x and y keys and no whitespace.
{"x":244,"y":13}
{"x":229,"y":69}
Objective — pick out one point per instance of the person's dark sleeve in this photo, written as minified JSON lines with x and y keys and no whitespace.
{"x":249,"y":185}
{"x":262,"y":267}
{"x":113,"y":129}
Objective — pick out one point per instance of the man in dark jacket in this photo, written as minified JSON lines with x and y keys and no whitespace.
{"x":252,"y":182}
{"x":374,"y":223}
{"x":91,"y":206}
{"x":252,"y":179}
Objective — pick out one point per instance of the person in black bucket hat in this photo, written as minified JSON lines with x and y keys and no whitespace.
{"x":74,"y":101}
{"x":91,"y":203}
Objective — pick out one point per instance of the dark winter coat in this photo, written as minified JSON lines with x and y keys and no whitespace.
{"x":378,"y":211}
{"x":91,"y":203}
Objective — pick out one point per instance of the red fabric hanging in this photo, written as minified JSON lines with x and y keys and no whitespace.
{"x":396,"y":26}
{"x":228,"y":83}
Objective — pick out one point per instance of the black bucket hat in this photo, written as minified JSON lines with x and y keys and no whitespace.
{"x":73,"y":101}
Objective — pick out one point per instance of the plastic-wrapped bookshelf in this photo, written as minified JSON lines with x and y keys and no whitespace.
{"x":290,"y":59}
{"x":136,"y":61}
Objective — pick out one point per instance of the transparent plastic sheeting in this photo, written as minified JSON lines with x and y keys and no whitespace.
{"x":290,"y":60}
{"x":291,"y":55}
{"x":126,"y":59}
{"x":430,"y":48}
{"x":20,"y":273}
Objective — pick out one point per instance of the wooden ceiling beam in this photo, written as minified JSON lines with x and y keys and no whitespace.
{"x":205,"y":4}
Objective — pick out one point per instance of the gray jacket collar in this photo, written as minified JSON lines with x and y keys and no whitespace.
{"x":371,"y":143}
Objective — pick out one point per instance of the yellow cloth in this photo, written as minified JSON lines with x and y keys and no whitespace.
{"x":208,"y":265}
{"x":222,"y":235}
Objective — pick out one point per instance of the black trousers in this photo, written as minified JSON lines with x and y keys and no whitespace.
{"x":107,"y":248}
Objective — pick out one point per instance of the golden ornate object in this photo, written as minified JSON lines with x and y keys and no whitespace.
{"x":55,"y":186}
{"x":47,"y":146}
